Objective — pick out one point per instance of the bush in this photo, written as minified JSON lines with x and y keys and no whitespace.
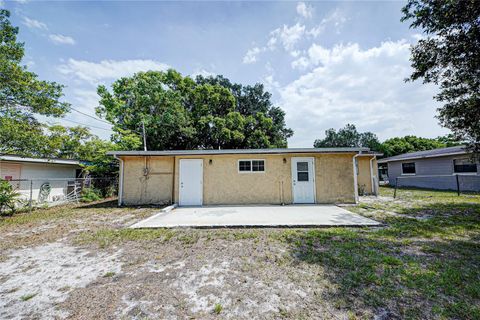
{"x":91,"y":194}
{"x":8,"y":198}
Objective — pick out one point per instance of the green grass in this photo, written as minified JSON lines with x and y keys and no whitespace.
{"x":109,"y":274}
{"x":28,"y":296}
{"x":108,"y":237}
{"x":217,"y":309}
{"x":424,"y":268}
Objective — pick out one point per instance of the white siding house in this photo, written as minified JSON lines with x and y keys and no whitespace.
{"x":28,"y":175}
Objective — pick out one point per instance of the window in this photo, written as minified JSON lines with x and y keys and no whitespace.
{"x":464,"y":166}
{"x":408,"y":168}
{"x":251,"y":165}
{"x":302,"y":171}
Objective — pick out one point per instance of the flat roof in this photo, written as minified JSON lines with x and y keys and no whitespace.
{"x":39,"y":160}
{"x":237,"y":151}
{"x":442,"y":152}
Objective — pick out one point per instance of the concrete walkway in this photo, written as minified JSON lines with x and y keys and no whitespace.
{"x":255,"y":216}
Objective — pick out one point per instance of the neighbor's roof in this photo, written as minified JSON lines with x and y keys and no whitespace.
{"x":237,"y":151}
{"x":39,"y":160}
{"x":427,"y":154}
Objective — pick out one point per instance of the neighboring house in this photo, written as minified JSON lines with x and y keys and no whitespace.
{"x":435,"y":169}
{"x":48,"y":179}
{"x":251,"y":176}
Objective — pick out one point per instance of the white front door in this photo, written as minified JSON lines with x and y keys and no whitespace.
{"x":191,"y":182}
{"x":303,"y":180}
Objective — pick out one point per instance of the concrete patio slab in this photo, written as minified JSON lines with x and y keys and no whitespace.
{"x":256,"y":216}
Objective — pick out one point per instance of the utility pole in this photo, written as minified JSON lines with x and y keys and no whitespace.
{"x":144,"y":137}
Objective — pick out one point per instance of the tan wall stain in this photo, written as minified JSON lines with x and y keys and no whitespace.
{"x":223,"y":184}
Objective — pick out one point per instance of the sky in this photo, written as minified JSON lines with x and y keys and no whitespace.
{"x":326,"y":63}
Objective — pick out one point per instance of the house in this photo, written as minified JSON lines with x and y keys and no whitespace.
{"x":435,"y":169}
{"x":246,"y":176}
{"x":42,"y":179}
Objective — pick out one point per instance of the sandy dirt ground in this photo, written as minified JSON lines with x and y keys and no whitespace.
{"x":48,"y":270}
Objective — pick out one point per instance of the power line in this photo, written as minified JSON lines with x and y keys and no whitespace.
{"x":87,"y":125}
{"x":90,"y":116}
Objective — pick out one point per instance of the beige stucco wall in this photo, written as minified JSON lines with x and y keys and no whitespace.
{"x":223,"y":184}
{"x":154,"y":188}
{"x":364,"y":178}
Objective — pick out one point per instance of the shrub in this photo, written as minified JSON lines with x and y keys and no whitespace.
{"x":91,"y":194}
{"x":8,"y":198}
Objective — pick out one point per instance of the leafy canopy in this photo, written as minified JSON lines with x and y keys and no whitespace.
{"x":183,"y":113}
{"x":22,"y":95}
{"x":348,"y":137}
{"x":449,"y":56}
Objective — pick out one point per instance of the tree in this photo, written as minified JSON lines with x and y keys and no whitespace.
{"x":450,"y":57}
{"x":348,"y":137}
{"x":398,"y":145}
{"x":22,"y":95}
{"x":181,"y":113}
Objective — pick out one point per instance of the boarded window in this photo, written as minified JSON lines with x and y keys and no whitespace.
{"x":464,"y":166}
{"x":408,"y":168}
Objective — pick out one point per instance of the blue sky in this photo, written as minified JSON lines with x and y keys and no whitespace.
{"x":326,"y":63}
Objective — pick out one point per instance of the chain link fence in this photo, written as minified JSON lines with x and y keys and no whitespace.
{"x":461,"y":183}
{"x":51,"y":192}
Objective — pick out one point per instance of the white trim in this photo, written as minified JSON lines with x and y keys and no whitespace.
{"x":313,"y":177}
{"x":386,"y":160}
{"x":238,"y":151}
{"x":464,"y":173}
{"x":355,"y":178}
{"x":40,"y":160}
{"x":251,"y":166}
{"x":409,"y":174}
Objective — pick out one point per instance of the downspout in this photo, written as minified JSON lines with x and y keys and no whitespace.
{"x":372,"y":178}
{"x":355,"y":178}
{"x":120,"y":182}
{"x":173,"y":180}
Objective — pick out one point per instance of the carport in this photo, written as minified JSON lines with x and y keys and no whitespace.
{"x":256,"y":216}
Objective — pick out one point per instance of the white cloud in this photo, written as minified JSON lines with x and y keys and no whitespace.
{"x":365,"y":87}
{"x":289,"y":36}
{"x":61,"y":39}
{"x":251,"y":55}
{"x":336,"y":18}
{"x":96,"y":72}
{"x":304,"y":10}
{"x":203,"y":73}
{"x":34,"y":24}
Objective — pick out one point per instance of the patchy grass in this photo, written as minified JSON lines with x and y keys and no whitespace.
{"x":217,"y":309}
{"x":28,"y":296}
{"x":109,"y":274}
{"x":414,"y":268}
{"x":108,"y":237}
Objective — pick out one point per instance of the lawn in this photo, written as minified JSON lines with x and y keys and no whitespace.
{"x":81,"y":262}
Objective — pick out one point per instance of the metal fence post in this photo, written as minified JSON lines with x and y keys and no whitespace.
{"x":30,"y":202}
{"x":395,"y":191}
{"x":458,"y":185}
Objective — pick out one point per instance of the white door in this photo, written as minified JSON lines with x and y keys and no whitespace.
{"x":303,"y":180}
{"x":191,"y":182}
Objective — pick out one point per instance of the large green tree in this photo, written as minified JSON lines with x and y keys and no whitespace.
{"x":182,"y":113}
{"x":449,"y":56}
{"x":348,"y":137}
{"x":22,"y":95}
{"x":398,"y":145}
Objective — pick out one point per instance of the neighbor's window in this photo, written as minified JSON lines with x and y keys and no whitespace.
{"x":464,"y":166}
{"x":251,"y":165}
{"x":408,"y":168}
